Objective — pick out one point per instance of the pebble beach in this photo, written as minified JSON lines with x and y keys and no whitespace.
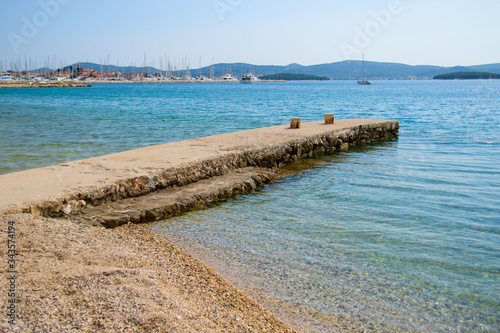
{"x":75,"y":278}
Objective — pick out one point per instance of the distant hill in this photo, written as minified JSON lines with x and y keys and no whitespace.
{"x":294,"y":77}
{"x":343,"y":70}
{"x":467,"y":76}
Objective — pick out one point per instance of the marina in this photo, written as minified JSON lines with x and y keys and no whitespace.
{"x":79,"y":74}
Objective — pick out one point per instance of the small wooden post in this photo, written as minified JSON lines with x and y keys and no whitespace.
{"x":295,"y":122}
{"x":329,"y":118}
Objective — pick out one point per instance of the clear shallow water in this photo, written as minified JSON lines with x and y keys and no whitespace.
{"x":397,"y":235}
{"x":41,"y":127}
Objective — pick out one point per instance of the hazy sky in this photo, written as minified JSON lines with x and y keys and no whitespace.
{"x":263,"y":32}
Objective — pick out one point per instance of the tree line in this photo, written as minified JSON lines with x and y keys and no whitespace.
{"x":294,"y":77}
{"x":467,"y":76}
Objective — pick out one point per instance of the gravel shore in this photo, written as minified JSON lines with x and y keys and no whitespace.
{"x":75,"y":278}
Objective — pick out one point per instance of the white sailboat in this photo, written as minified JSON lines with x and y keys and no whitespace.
{"x":228,"y":76}
{"x":363,"y":81}
{"x":248,"y":77}
{"x":212,"y":75}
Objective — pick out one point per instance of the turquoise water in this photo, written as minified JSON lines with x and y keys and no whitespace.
{"x":398,"y":235}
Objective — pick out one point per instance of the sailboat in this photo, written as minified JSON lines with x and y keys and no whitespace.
{"x":363,"y":81}
{"x":228,"y":76}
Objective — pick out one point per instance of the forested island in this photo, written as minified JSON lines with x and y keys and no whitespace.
{"x":294,"y":77}
{"x":467,"y":76}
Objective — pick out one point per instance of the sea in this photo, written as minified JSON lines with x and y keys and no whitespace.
{"x":396,"y":235}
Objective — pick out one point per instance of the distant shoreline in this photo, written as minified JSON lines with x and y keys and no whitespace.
{"x":345,"y":70}
{"x":468,"y":76}
{"x":70,"y":84}
{"x":18,"y":84}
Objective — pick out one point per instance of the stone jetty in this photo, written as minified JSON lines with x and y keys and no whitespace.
{"x":157,"y":182}
{"x":29,"y":84}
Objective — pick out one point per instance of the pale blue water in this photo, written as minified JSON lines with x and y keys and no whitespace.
{"x":399,"y":235}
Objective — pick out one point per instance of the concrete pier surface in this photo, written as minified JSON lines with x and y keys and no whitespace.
{"x":70,"y":187}
{"x":75,"y":277}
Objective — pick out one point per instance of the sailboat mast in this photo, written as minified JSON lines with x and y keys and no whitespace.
{"x":363,"y":68}
{"x":363,"y":81}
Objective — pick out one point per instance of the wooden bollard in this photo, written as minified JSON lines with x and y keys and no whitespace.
{"x":295,"y":122}
{"x":329,"y":118}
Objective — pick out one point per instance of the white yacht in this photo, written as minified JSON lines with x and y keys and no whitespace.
{"x":248,"y":78}
{"x":228,"y":77}
{"x":5,"y":76}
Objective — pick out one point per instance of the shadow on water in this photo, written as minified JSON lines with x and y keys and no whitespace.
{"x":337,"y":156}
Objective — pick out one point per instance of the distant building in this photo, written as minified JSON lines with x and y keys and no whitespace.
{"x":87,"y":71}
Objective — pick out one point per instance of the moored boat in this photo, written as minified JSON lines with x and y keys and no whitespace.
{"x":247,"y":78}
{"x":363,"y":81}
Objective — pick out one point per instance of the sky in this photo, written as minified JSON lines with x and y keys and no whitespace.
{"x":260,"y":32}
